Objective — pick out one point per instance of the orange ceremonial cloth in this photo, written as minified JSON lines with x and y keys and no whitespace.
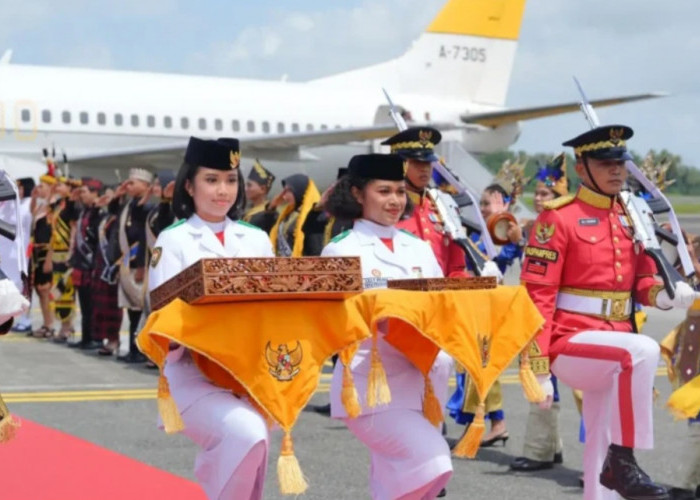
{"x":483,"y":330}
{"x":270,"y":351}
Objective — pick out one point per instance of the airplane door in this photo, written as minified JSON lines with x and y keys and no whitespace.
{"x":25,"y":125}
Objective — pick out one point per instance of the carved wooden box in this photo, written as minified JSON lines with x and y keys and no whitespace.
{"x":278,"y":278}
{"x":437,"y":284}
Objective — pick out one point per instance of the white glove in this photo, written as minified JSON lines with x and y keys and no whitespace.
{"x":491,"y":269}
{"x":545,"y":382}
{"x":12,"y":303}
{"x":685,"y":296}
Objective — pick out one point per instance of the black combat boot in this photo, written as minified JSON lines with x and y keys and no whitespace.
{"x":622,"y":474}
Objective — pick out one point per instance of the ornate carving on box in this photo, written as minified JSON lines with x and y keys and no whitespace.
{"x":230,"y":280}
{"x":437,"y":284}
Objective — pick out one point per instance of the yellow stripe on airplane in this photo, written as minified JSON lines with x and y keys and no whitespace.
{"x":484,"y":18}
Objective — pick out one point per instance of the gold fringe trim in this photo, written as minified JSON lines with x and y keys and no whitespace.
{"x":169,"y":414}
{"x":531,"y":387}
{"x":8,"y":428}
{"x":378,"y":392}
{"x":348,"y":394}
{"x":471,"y":440}
{"x":431,"y":404}
{"x":291,"y":479}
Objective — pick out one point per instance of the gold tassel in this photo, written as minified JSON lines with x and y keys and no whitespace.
{"x":169,"y":414}
{"x":8,"y":428}
{"x":348,"y":394}
{"x":431,"y":404}
{"x":531,"y":387}
{"x":378,"y":392}
{"x":289,"y":474}
{"x":471,"y":440}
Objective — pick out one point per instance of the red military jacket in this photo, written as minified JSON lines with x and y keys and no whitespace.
{"x":583,"y":242}
{"x":426,"y":224}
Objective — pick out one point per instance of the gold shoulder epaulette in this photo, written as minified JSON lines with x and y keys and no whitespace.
{"x":559,"y":202}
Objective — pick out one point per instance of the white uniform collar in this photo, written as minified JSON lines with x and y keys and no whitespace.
{"x":369,"y":228}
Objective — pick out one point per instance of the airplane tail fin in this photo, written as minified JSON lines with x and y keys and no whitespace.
{"x":466,"y":53}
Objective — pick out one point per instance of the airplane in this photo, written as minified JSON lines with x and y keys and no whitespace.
{"x":455,"y":76}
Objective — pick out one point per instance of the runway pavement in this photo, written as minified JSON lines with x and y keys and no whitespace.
{"x":113,"y":405}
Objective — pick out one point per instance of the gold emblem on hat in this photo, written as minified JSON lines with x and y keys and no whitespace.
{"x":616,"y":135}
{"x":283,"y":363}
{"x":260,"y":170}
{"x":424,"y":137}
{"x":235,"y":159}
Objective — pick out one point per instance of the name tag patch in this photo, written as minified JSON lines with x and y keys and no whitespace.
{"x":542,"y":253}
{"x":536,"y":267}
{"x":588,"y":222}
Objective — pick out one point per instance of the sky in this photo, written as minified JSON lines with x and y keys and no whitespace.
{"x":614,"y":48}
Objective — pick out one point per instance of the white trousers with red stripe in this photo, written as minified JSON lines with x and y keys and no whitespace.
{"x":616,"y":372}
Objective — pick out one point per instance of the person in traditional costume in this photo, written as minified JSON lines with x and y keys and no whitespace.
{"x":231,"y":434}
{"x":409,"y":457}
{"x":288,"y":239}
{"x":257,"y":189}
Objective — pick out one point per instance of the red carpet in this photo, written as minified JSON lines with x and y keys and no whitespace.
{"x":46,"y":464}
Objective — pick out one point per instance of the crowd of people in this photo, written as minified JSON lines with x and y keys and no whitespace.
{"x":104,"y":247}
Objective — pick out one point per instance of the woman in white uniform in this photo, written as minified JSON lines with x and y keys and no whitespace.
{"x":232,"y":436}
{"x":410,"y":460}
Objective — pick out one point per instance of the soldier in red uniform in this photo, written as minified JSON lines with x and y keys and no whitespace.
{"x":415,"y":145}
{"x":584,"y":271}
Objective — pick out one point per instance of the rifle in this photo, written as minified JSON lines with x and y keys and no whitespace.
{"x":646,"y":229}
{"x":448,"y":208}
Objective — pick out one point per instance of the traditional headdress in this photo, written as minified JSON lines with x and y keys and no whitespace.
{"x":553,"y":175}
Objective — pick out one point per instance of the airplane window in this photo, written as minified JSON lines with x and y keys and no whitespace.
{"x":324,"y":127}
{"x":65,"y":116}
{"x":118,"y":119}
{"x":134,"y":120}
{"x":266,"y":127}
{"x":151,"y":121}
{"x":84,"y":118}
{"x":280,"y":128}
{"x":184,"y":122}
{"x":236,"y":125}
{"x":202,"y":124}
{"x":101,"y":118}
{"x":167,"y":122}
{"x":295,"y":127}
{"x":46,"y":116}
{"x":251,"y":126}
{"x":218,"y":124}
{"x":338,"y":127}
{"x":26,"y":115}
{"x":309,"y":127}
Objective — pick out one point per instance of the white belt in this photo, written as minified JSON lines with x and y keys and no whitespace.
{"x":612,"y":309}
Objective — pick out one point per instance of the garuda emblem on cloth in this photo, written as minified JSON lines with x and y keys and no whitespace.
{"x":283,"y":363}
{"x":544,"y":232}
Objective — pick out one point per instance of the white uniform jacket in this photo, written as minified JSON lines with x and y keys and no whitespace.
{"x":187,"y":241}
{"x":411,"y":258}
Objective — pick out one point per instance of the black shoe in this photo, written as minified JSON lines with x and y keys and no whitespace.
{"x":132,"y":357}
{"x":490,"y":442}
{"x":524,"y":464}
{"x":90,"y":344}
{"x":559,"y":457}
{"x":443,"y":493}
{"x":622,"y":474}
{"x":681,"y":494}
{"x":322,"y":409}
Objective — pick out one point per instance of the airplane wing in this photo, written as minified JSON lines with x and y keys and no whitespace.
{"x":282,"y":147}
{"x":497,"y":118}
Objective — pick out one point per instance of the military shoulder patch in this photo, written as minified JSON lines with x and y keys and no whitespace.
{"x":248,"y":224}
{"x":542,"y":253}
{"x":409,"y":233}
{"x":155,"y":256}
{"x":559,"y":202}
{"x":340,"y":236}
{"x":175,"y":224}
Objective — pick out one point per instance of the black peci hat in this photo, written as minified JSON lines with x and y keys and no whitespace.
{"x":261,"y":175}
{"x":415,"y":142}
{"x":607,"y":142}
{"x":221,"y":154}
{"x":377,"y":166}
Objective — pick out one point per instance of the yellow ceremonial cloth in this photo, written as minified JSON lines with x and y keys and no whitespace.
{"x":483,"y":330}
{"x":271,"y":351}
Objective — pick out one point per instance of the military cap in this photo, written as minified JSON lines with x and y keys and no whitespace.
{"x":607,"y":142}
{"x":377,"y":166}
{"x":416,"y":143}
{"x":220,"y":154}
{"x":261,"y":175}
